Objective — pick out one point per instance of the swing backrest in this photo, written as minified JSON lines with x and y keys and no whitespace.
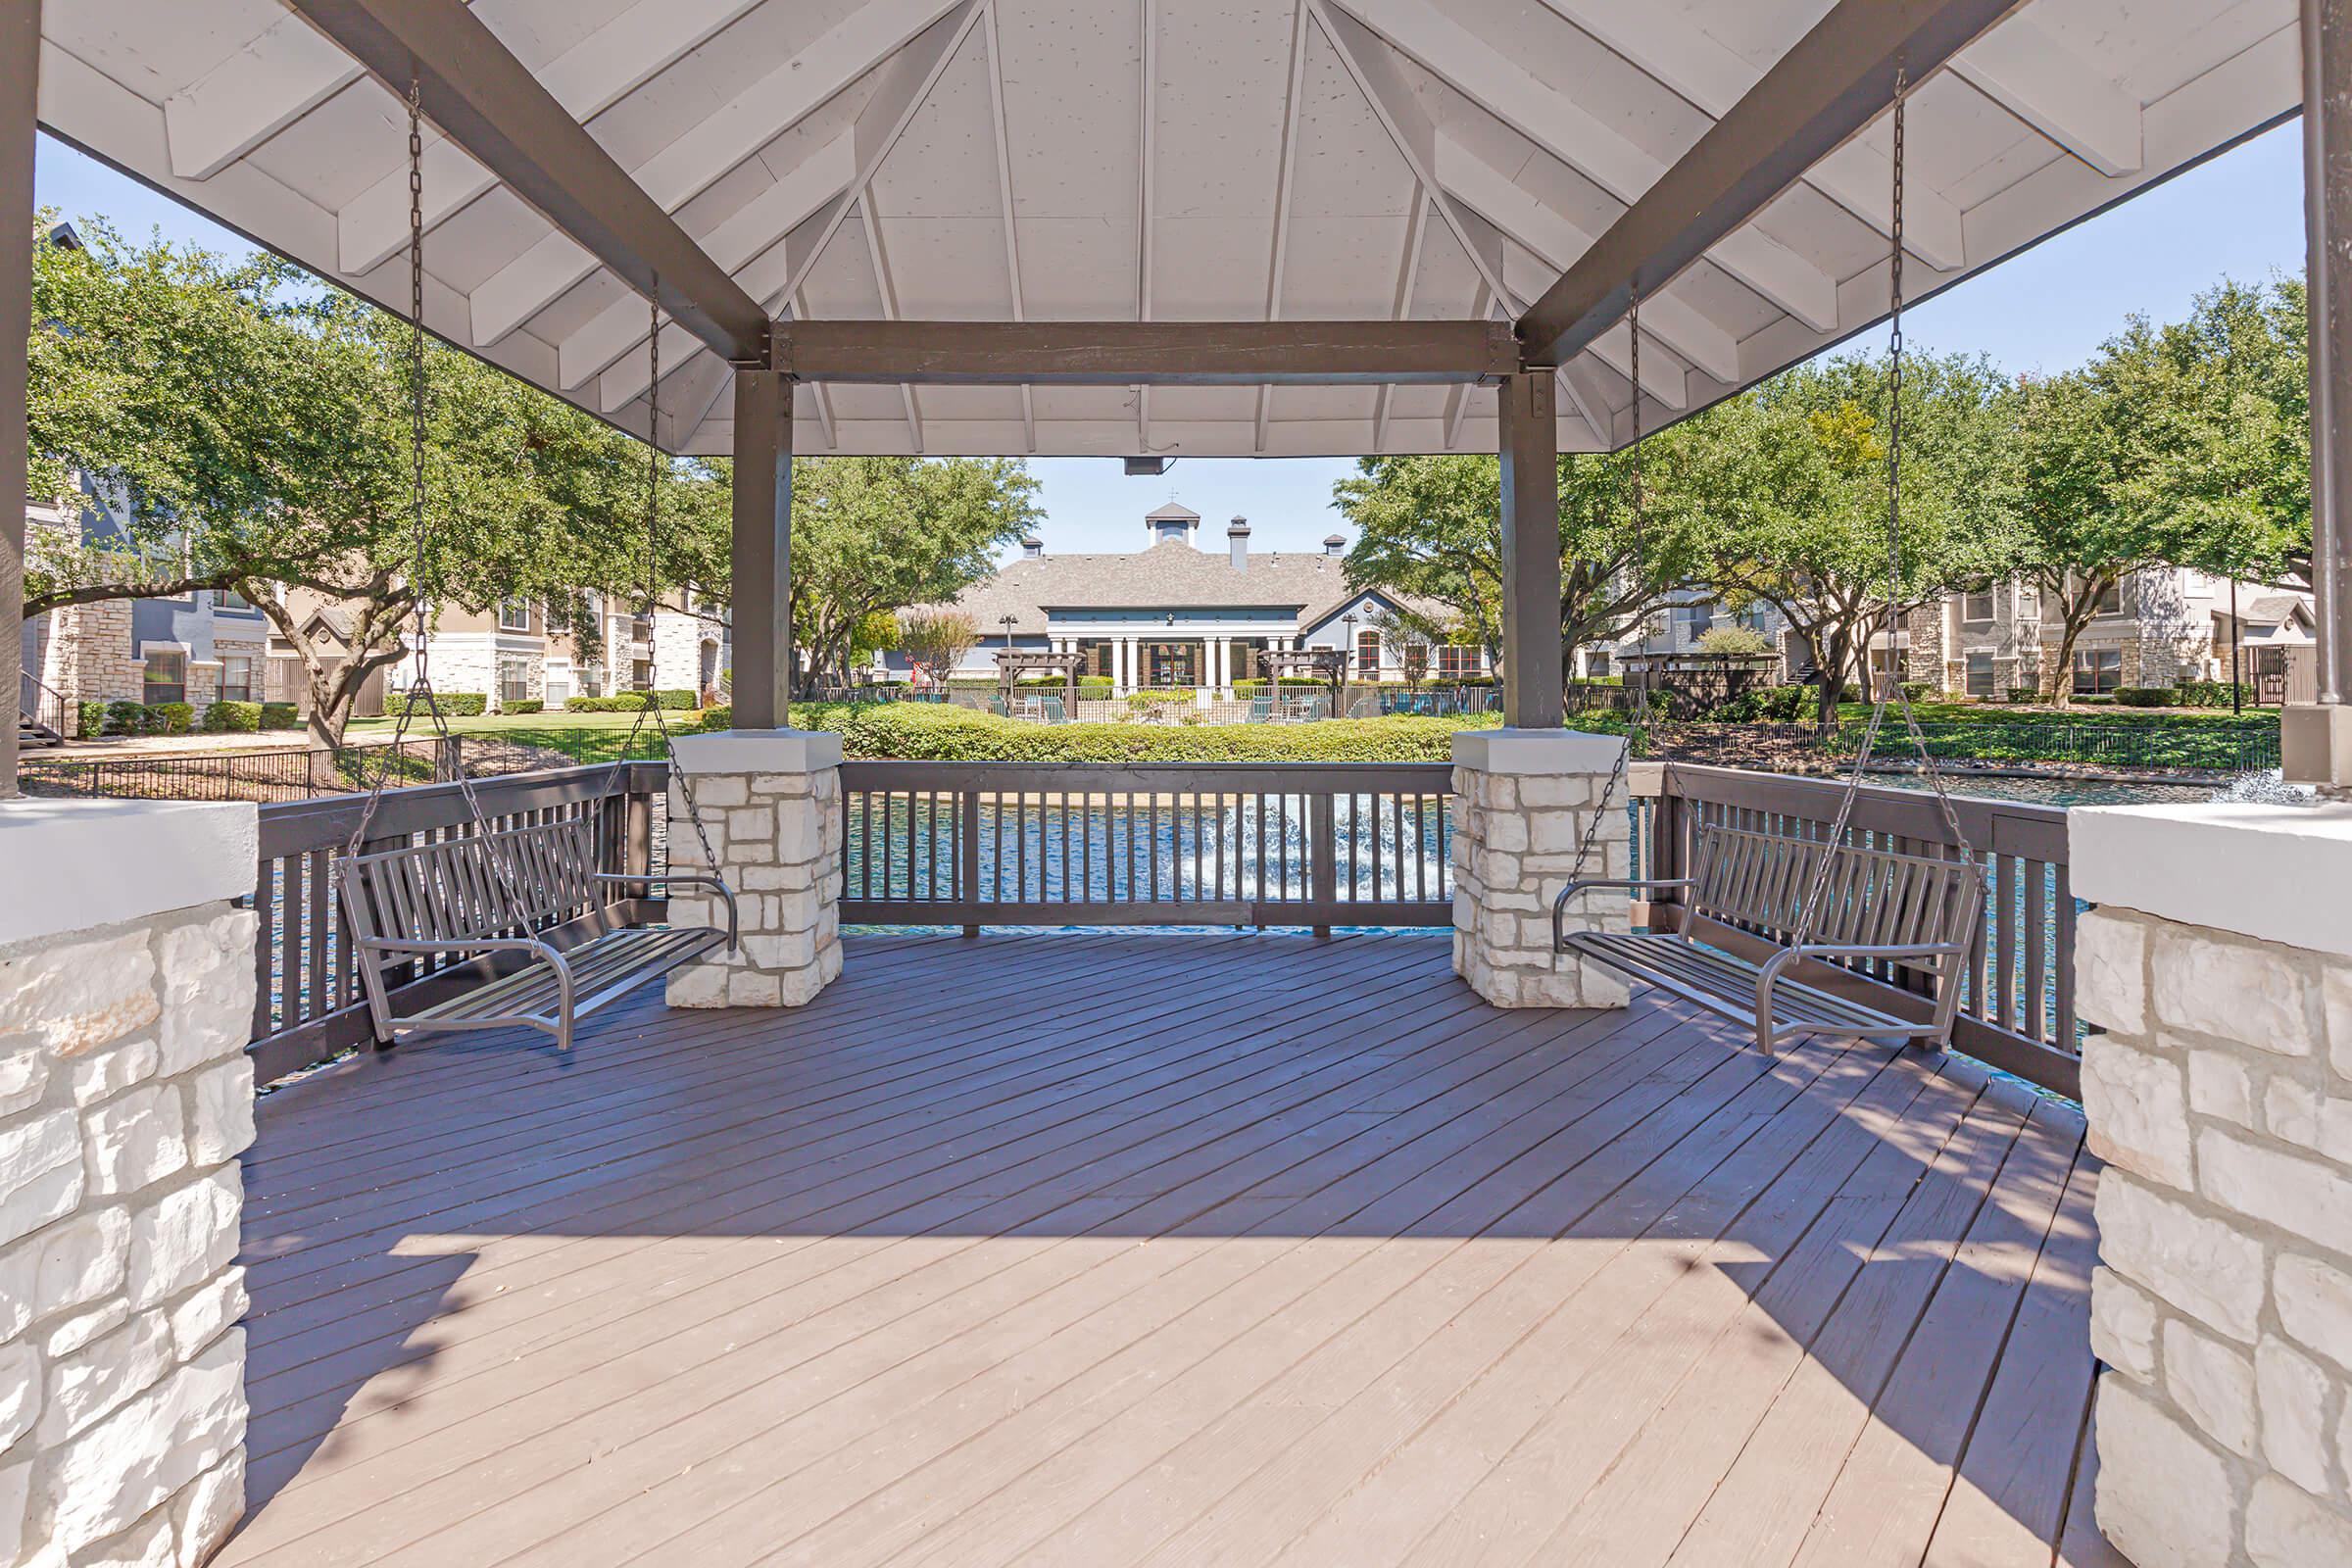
{"x":1870,"y":898}
{"x":474,"y":886}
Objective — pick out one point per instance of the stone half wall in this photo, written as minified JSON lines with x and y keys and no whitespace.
{"x":770,"y":804}
{"x":1521,"y":800}
{"x":125,"y":1098}
{"x":2219,"y":1092}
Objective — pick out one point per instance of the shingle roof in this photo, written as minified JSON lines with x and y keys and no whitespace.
{"x":1169,"y":575}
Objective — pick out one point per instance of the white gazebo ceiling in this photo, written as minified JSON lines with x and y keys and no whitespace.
{"x":1165,"y":159}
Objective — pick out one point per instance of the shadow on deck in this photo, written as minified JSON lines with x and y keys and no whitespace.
{"x":1106,"y":1249}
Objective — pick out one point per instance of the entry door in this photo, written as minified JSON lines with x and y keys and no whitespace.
{"x":1175,"y":665}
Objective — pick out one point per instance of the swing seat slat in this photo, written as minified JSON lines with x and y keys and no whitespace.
{"x":1921,"y":911}
{"x":532,"y":893}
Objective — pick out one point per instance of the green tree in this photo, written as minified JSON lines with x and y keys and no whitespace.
{"x":1431,"y":528}
{"x":2184,"y":445}
{"x":1809,"y":532}
{"x":256,"y":428}
{"x":881,"y":535}
{"x":937,"y":640}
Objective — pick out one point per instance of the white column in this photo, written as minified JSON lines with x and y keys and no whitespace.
{"x":1134,"y":646}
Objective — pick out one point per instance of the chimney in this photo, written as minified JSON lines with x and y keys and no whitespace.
{"x":1334,"y":544}
{"x":1237,"y":541}
{"x":1032,"y":547}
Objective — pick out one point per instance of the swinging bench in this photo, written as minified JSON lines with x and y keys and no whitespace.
{"x":1835,"y":900}
{"x":532,"y":892}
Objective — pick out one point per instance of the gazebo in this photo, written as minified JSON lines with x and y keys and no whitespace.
{"x":1377,"y":1250}
{"x":1014,"y":663}
{"x":1326,"y":664}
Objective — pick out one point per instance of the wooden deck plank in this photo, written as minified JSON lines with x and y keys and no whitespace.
{"x":1140,"y":1247}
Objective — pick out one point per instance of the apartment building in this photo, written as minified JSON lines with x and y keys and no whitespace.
{"x":2158,"y":627}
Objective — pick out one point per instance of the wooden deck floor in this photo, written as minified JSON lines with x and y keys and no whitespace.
{"x":1112,"y":1249}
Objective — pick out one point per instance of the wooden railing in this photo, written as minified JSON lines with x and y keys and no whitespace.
{"x":2018,"y":1008}
{"x":307,"y":1006}
{"x":1240,"y":843}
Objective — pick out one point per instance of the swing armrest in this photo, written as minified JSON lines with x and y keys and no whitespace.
{"x":1854,"y":950}
{"x":1560,"y":905}
{"x":725,"y":892}
{"x":531,"y":945}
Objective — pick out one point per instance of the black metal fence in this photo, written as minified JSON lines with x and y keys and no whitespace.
{"x":268,"y":777}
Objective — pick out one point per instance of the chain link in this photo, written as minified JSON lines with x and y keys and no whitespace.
{"x":1641,"y":501}
{"x":653,"y":592}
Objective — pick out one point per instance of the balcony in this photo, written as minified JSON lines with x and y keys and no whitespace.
{"x":1124,"y":1248}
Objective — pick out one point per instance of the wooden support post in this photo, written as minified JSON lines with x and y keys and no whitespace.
{"x":20,"y":80}
{"x":762,"y":549}
{"x":1532,"y":694}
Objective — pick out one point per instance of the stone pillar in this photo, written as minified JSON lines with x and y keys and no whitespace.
{"x":125,"y":1096}
{"x":1521,"y":802}
{"x":2217,"y":971}
{"x":771,"y":805}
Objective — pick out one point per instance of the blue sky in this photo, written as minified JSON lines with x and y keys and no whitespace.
{"x":2239,"y":216}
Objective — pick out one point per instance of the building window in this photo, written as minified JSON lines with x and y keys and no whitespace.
{"x":1980,"y":674}
{"x":559,"y":615}
{"x":2097,"y":670}
{"x":167,"y":676}
{"x":513,"y":679}
{"x":1367,"y":654}
{"x":2111,"y":603}
{"x":1416,"y":662}
{"x":237,"y":678}
{"x":1460,"y":660}
{"x":514,"y":615}
{"x":1975,"y":608}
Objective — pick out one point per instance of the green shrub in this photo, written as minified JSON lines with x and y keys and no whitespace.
{"x":526,"y":704}
{"x":937,"y":732}
{"x":2025,"y":694}
{"x":125,"y":718}
{"x":2207,"y":693}
{"x":232,"y":719}
{"x":171,"y":719}
{"x":1256,"y":687}
{"x":2143,"y":695}
{"x":625,"y":703}
{"x":1918,"y":690}
{"x":1783,"y":705}
{"x":453,"y":705}
{"x":722,"y":717}
{"x":280,"y":716}
{"x":90,"y":718}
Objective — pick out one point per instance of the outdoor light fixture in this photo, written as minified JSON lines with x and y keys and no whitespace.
{"x":1146,"y":467}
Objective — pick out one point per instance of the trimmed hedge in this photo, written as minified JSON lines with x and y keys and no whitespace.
{"x":172,"y":718}
{"x":672,"y":701}
{"x":2143,"y":697}
{"x":526,"y":704}
{"x":280,"y":716}
{"x":90,"y":718}
{"x":930,"y":732}
{"x":124,"y":717}
{"x":453,"y":705}
{"x":232,"y":719}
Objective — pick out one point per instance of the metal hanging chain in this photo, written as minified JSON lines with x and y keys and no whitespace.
{"x":1890,"y":683}
{"x":421,"y":685}
{"x":653,"y":592}
{"x":1640,"y":720}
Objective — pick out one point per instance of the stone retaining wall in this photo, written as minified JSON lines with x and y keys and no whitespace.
{"x":2219,"y":1092}
{"x":125,"y":1098}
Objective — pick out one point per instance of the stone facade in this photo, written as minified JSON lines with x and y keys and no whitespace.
{"x":1521,"y":800}
{"x":771,"y":805}
{"x":2220,"y":1093}
{"x":125,"y":1098}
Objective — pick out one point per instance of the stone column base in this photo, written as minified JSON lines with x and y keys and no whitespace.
{"x":2218,"y":969}
{"x":126,"y":982}
{"x":771,"y":802}
{"x":1521,"y":802}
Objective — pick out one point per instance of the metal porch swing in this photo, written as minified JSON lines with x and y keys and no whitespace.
{"x":522,"y":911}
{"x":1822,"y":898}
